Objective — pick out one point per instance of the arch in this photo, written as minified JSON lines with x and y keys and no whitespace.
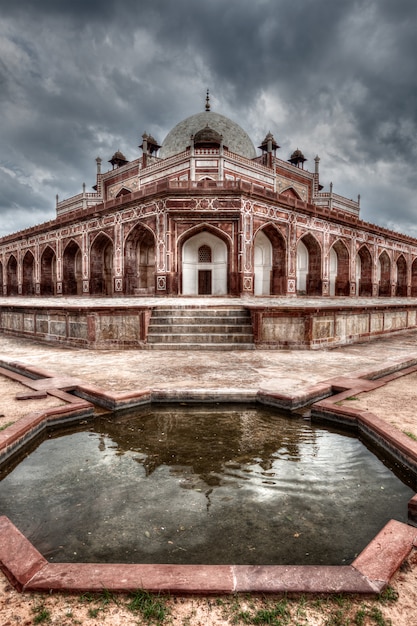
{"x":11,"y":276}
{"x":139,"y":261}
{"x":48,"y":272}
{"x":309,"y":280}
{"x":384,"y":274}
{"x":124,"y":191}
{"x":290,"y":192}
{"x":101,"y":266}
{"x":28,"y":274}
{"x":339,"y":270}
{"x":364,"y":272}
{"x":277,"y":263}
{"x":401,"y":282}
{"x":414,"y":278}
{"x":72,"y":270}
{"x":202,"y":277}
{"x":262,"y":263}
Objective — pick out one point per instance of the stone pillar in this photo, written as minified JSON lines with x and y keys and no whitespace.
{"x":37,"y":271}
{"x":85,"y":262}
{"x":118,"y":257}
{"x":325,"y":263}
{"x":59,"y":269}
{"x":161,"y":283}
{"x":292,"y":257}
{"x":245,"y":250}
{"x":19,"y":271}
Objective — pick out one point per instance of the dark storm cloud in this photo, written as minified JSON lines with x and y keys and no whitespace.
{"x":83,"y":79}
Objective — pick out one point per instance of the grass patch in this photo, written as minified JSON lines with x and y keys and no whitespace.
{"x":153,"y":608}
{"x":411,"y":435}
{"x":6,"y":425}
{"x":42,"y":615}
{"x":388,"y":595}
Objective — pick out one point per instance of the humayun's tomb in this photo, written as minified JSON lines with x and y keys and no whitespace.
{"x":206,"y":214}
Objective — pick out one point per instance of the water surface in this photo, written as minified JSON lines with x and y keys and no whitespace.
{"x":202,"y":484}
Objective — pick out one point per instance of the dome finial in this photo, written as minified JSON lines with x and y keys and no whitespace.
{"x":208,"y":100}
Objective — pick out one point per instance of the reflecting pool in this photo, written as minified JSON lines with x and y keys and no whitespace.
{"x":201,"y":484}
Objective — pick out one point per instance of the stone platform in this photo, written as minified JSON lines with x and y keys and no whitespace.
{"x":291,"y":378}
{"x":277,"y":322}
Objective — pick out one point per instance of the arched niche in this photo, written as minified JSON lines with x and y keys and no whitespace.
{"x":101,"y":266}
{"x":414,"y":279}
{"x":11,"y":271}
{"x":28,"y":274}
{"x":401,"y":271}
{"x":262,"y":261}
{"x":339,"y":270}
{"x":309,"y":266}
{"x":140,"y":261}
{"x":72,"y":270}
{"x":384,"y":274}
{"x":48,"y":272}
{"x":363,"y":264}
{"x":203,"y":274}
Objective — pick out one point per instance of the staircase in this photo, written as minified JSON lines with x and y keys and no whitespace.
{"x":207,"y":328}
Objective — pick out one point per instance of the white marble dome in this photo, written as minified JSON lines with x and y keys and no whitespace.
{"x":234,"y":137}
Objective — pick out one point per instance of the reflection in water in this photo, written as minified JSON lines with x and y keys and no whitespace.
{"x":202,"y":484}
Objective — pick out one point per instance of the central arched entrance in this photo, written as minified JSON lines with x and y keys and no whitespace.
{"x":204,"y":265}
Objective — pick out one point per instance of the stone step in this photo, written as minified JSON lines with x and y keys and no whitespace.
{"x":200,"y":338}
{"x":199,"y":328}
{"x":221,"y":347}
{"x":205,"y":328}
{"x":173,"y":320}
{"x":194,"y":312}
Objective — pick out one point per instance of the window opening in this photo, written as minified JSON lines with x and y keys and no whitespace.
{"x":204,"y":254}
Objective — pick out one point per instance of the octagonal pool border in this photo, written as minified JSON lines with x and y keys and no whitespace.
{"x":369,"y":573}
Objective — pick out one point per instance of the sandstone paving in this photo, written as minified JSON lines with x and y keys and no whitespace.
{"x":280,"y":371}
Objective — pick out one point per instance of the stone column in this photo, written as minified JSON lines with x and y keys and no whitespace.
{"x":245,"y":250}
{"x":325,"y":263}
{"x":37,"y":276}
{"x":292,"y":257}
{"x":118,"y":257}
{"x":85,"y":261}
{"x":161,"y":284}
{"x":59,"y":269}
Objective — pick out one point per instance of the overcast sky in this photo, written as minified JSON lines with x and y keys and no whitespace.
{"x":85,"y":78}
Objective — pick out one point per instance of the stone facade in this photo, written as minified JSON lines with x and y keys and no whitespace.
{"x":203,"y":215}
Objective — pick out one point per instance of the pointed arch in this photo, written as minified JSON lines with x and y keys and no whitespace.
{"x":262,"y":264}
{"x":414,"y":279}
{"x":364,"y":272}
{"x":339,"y":269}
{"x":139,"y":262}
{"x":309,"y":265}
{"x":28,"y":274}
{"x":101,"y":266}
{"x":276,"y":265}
{"x":290,"y":192}
{"x":72,"y":269}
{"x":124,"y":191}
{"x":384,"y":274}
{"x":48,"y":272}
{"x":401,"y":282}
{"x":199,"y":276}
{"x":11,"y":274}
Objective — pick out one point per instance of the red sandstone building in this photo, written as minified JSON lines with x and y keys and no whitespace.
{"x":206,"y":213}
